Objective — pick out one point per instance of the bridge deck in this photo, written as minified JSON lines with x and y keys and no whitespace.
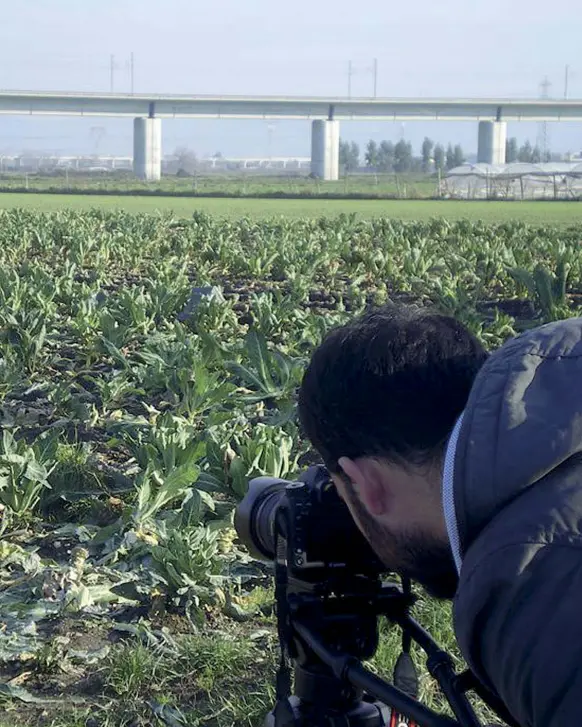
{"x":272,"y":107}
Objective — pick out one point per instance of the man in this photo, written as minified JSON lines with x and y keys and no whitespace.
{"x":464,"y":471}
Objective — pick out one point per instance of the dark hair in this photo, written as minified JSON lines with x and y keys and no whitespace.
{"x":389,"y":384}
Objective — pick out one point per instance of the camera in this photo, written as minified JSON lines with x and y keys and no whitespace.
{"x":313,"y":520}
{"x":330,"y":590}
{"x":327,"y":581}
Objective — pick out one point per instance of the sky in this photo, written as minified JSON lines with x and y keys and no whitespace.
{"x":471,"y":48}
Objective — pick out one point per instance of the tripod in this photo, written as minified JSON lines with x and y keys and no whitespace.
{"x":327,"y":642}
{"x":321,"y":699}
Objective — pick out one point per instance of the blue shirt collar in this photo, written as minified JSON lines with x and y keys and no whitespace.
{"x":448,"y":498}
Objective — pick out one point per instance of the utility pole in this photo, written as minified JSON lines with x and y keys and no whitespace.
{"x":566,"y":82}
{"x":545,"y":86}
{"x":127,"y":66}
{"x":270,"y":129}
{"x":367,"y":69}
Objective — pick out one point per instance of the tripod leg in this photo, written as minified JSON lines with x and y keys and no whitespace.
{"x":285,"y":714}
{"x":299,"y":714}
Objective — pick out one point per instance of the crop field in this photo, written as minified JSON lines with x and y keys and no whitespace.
{"x":135,"y":409}
{"x":563,"y":214}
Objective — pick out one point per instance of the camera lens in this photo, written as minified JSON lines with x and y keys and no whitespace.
{"x":254,"y":518}
{"x":264,"y":521}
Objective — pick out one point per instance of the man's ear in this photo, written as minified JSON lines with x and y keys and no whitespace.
{"x":365,"y":478}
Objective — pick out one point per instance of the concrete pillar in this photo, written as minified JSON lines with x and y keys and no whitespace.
{"x":492,"y":138}
{"x":325,"y":150}
{"x":147,"y":148}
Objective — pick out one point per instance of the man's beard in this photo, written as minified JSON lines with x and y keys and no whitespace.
{"x":421,"y":558}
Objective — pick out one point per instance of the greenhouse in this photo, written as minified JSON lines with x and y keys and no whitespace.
{"x":519,"y":180}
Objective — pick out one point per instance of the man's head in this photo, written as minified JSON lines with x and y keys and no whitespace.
{"x":378,"y":402}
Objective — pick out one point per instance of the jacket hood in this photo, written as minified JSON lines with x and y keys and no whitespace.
{"x":522,"y":421}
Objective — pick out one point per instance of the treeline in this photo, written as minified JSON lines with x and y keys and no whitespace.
{"x":390,"y":157}
{"x":525,"y":153}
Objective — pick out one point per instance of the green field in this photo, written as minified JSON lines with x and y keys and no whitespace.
{"x":223,"y":184}
{"x":133,"y":416}
{"x":543,"y":213}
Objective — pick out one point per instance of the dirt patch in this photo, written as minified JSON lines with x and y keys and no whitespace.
{"x":515,"y":307}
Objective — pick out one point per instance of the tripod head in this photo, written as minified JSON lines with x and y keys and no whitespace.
{"x":330,"y":590}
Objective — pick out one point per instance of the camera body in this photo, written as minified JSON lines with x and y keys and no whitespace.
{"x":320,"y":539}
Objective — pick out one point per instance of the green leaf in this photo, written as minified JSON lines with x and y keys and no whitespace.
{"x":130,"y":590}
{"x":191,"y":510}
{"x":115,"y":353}
{"x":107,"y":532}
{"x":25,"y":696}
{"x":167,"y":714}
{"x":36,"y":472}
{"x":13,"y":459}
{"x":207,"y":499}
{"x":180,"y":478}
{"x":144,"y":492}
